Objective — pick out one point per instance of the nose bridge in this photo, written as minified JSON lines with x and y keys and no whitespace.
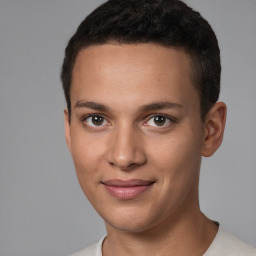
{"x":126,"y":148}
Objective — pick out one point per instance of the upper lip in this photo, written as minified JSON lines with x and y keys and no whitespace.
{"x":127,"y":183}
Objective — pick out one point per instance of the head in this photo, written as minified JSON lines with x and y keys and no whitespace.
{"x":141,"y":79}
{"x":169,"y":23}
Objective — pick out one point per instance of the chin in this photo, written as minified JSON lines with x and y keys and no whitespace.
{"x":129,"y":227}
{"x":130,"y":221}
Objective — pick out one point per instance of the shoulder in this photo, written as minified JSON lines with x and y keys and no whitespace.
{"x":226,"y":244}
{"x":91,"y":250}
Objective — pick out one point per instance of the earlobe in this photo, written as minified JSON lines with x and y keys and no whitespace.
{"x":67,"y":129}
{"x":214,"y":128}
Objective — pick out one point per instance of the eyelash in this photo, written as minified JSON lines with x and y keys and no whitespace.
{"x":167,"y":119}
{"x":84,"y":118}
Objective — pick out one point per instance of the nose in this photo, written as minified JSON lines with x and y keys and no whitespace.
{"x":126,"y":149}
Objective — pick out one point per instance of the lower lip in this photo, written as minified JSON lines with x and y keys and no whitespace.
{"x":126,"y":193}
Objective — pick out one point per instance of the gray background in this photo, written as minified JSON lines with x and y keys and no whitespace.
{"x":42,"y":209}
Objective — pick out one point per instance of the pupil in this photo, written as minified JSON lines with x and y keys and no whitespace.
{"x":159,"y":120}
{"x":97,"y":120}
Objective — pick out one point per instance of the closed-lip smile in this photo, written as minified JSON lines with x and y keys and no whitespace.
{"x":127,"y":189}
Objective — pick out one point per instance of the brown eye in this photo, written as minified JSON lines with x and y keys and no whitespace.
{"x":159,"y":120}
{"x":95,"y":120}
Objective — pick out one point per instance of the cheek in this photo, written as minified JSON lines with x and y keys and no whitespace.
{"x":86,"y":161}
{"x":87,"y":155}
{"x":177,"y":162}
{"x":178,"y":157}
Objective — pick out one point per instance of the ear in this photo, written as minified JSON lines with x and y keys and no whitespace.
{"x":67,"y":129}
{"x":214,"y":128}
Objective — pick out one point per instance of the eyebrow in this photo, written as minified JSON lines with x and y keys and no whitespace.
{"x":144,"y":108}
{"x":92,"y":105}
{"x":159,"y":106}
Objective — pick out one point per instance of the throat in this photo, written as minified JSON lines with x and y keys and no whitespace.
{"x":186,"y":238}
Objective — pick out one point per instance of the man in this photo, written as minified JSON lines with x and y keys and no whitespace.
{"x":142,"y":80}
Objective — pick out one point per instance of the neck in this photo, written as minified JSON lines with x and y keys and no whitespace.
{"x":188,"y":232}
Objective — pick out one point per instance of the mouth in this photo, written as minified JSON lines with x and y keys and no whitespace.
{"x":127,"y":189}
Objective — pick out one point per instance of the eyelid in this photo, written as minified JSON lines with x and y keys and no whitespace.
{"x":171,"y":119}
{"x":84,"y":117}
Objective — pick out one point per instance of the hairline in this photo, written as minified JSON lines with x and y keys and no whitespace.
{"x":193,"y":69}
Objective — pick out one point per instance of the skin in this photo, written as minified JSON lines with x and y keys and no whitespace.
{"x":125,"y":82}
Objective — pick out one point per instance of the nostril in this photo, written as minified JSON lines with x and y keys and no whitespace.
{"x":125,"y":151}
{"x":127,"y":167}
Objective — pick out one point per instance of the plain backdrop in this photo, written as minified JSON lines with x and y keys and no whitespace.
{"x":42,"y":209}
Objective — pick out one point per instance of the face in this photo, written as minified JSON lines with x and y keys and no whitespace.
{"x":135,"y":134}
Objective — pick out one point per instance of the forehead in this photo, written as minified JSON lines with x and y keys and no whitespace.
{"x":150,"y":71}
{"x":147,"y":55}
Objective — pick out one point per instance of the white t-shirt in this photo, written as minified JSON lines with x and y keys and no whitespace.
{"x":224,"y":244}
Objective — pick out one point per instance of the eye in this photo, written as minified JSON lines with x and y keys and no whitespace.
{"x":158,"y":120}
{"x":95,"y":120}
